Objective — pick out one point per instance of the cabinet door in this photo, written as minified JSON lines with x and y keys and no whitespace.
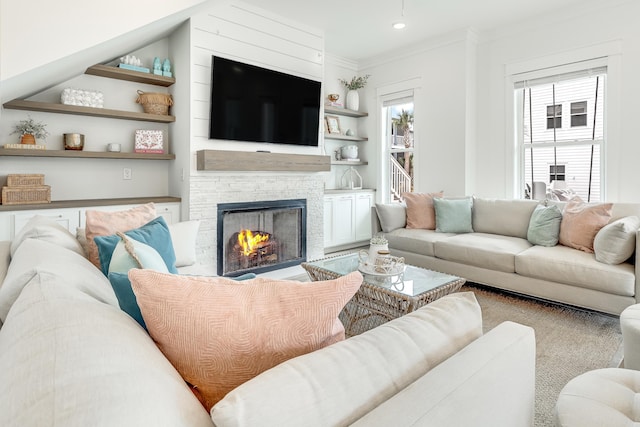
{"x":169,"y":211}
{"x":68,"y":218}
{"x":343,"y":219}
{"x":364,"y":202}
{"x":328,"y":221}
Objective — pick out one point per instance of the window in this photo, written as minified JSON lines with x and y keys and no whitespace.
{"x":554,"y":116}
{"x":567,"y":160}
{"x":579,"y":113}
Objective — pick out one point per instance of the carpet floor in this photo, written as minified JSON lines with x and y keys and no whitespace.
{"x":569,"y":341}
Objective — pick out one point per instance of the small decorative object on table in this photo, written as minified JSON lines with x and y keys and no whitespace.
{"x":353,"y":99}
{"x":149,"y":141}
{"x":377,"y":243}
{"x":30,"y":130}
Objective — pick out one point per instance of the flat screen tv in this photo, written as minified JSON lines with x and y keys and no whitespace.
{"x":250,"y":103}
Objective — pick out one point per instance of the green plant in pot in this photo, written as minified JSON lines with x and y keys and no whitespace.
{"x":30,"y":130}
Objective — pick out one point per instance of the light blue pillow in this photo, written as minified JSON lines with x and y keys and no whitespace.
{"x":122,"y":261}
{"x":453,"y":215}
{"x":544,"y":226}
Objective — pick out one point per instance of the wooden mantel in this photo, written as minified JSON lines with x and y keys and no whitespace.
{"x":222,"y":160}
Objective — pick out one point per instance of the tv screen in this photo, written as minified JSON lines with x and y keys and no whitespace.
{"x":250,"y":103}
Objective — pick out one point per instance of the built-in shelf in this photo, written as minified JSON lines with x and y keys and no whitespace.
{"x":349,"y":163}
{"x":344,"y":137}
{"x":91,"y":202}
{"x":344,"y":112}
{"x":84,"y":154}
{"x":129,"y":75}
{"x":50,"y":107}
{"x":222,"y":160}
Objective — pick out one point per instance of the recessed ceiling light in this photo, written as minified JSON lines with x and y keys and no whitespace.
{"x":398,"y":25}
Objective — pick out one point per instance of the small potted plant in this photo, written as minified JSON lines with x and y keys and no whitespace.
{"x":353,"y":100}
{"x":30,"y":130}
{"x":377,"y":243}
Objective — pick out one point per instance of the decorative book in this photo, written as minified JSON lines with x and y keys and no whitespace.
{"x":149,"y":141}
{"x":26,"y":146}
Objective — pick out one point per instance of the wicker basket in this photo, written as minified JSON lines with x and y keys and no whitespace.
{"x":25,"y":179}
{"x":155,"y":103}
{"x":26,"y":195}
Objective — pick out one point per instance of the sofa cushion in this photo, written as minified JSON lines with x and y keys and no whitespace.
{"x":339,"y":384}
{"x":42,"y":257}
{"x":102,"y":223}
{"x":415,"y":240}
{"x":504,"y":217}
{"x":489,"y":251}
{"x":544,"y":226}
{"x":420,"y":210}
{"x":615,"y":242}
{"x":44,"y":228}
{"x":581,"y":222}
{"x":183,"y":236}
{"x":453,"y":215}
{"x":70,"y":360}
{"x":573,"y":267}
{"x":392,"y":216}
{"x":219,"y":336}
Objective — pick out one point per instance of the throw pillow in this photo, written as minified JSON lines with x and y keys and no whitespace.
{"x":43,"y":228}
{"x":99,"y":223}
{"x":581,"y":222}
{"x":420,"y":210}
{"x":544,"y":225}
{"x":219,"y":336}
{"x":453,"y":215}
{"x":183,"y":236}
{"x":155,"y":234}
{"x":392,"y":216}
{"x":615,"y":242}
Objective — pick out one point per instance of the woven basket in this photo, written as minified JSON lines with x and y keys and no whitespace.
{"x":26,"y":179}
{"x":26,"y":195}
{"x":155,"y":103}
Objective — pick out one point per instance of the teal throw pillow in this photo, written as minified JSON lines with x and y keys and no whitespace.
{"x":453,"y":215}
{"x":155,"y":234}
{"x":544,"y":226}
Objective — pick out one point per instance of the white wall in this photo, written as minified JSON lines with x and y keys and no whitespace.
{"x":609,"y":29}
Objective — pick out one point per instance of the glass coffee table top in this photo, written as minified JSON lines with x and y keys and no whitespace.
{"x":414,"y":281}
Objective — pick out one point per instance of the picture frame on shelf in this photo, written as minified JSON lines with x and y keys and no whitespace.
{"x":333,"y":124}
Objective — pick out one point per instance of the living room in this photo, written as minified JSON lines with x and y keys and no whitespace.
{"x":460,"y":81}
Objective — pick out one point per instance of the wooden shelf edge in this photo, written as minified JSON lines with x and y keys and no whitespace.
{"x":348,"y":163}
{"x":344,"y":137}
{"x":129,"y":75}
{"x":84,"y":154}
{"x":60,"y":204}
{"x":344,"y":112}
{"x":222,"y":160}
{"x":49,"y":107}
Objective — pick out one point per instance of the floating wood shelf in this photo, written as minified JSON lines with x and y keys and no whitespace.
{"x":129,"y":75}
{"x":220,"y":160}
{"x":348,"y":163}
{"x":344,"y":137}
{"x":50,"y":107}
{"x":344,"y":112}
{"x":91,"y":202}
{"x":84,"y":154}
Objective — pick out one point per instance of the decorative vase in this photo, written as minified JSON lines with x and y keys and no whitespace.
{"x":28,"y":138}
{"x":353,"y":100}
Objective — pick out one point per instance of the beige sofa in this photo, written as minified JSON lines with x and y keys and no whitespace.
{"x":70,"y":357}
{"x":498,"y":254}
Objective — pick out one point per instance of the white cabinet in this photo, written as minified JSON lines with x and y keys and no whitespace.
{"x":68,"y":218}
{"x":347,"y":218}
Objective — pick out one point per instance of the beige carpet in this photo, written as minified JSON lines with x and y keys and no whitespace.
{"x":569,"y":341}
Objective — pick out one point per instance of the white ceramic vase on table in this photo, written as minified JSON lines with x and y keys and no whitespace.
{"x":353,"y":100}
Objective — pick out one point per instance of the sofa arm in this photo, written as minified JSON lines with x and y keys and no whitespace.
{"x":491,"y":382}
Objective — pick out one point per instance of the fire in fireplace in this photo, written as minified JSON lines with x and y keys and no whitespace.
{"x":260,"y":236}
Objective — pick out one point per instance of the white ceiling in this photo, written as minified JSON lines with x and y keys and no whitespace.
{"x":359,"y":29}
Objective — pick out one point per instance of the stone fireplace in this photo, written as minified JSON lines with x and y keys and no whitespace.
{"x":261,"y":236}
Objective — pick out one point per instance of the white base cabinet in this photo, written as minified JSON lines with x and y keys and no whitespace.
{"x":347,"y":218}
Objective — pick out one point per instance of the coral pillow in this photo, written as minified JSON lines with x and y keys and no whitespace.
{"x":219,"y":336}
{"x":420,"y":211}
{"x":581,"y":222}
{"x":101,"y":223}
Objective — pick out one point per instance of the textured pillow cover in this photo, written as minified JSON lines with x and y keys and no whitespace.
{"x":544,"y":226}
{"x":615,"y":242}
{"x":453,"y":215}
{"x":219,"y":336}
{"x":102,"y":223}
{"x":581,"y":222}
{"x":183,"y":236}
{"x":420,"y":210}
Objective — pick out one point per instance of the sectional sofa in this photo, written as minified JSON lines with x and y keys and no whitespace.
{"x":69,"y":356}
{"x":495,"y":251}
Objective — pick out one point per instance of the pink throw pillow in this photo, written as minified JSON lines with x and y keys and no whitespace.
{"x":420,"y":210}
{"x":219,"y":336}
{"x":581,"y":222}
{"x":101,"y":223}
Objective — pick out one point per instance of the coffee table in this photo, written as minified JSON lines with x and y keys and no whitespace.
{"x":382,"y":298}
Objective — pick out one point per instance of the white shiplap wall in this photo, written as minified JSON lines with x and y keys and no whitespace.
{"x":256,"y":37}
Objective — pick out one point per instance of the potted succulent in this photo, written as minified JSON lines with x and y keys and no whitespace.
{"x":353,"y":100}
{"x":30,"y":130}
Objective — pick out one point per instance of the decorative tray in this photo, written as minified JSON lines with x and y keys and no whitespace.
{"x":383,"y":267}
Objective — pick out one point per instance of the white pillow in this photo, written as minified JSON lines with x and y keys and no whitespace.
{"x":183,"y":236}
{"x":616,"y":241}
{"x":392,"y":216}
{"x":43,"y":228}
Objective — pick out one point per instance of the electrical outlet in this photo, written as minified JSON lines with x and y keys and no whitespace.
{"x":126,"y":173}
